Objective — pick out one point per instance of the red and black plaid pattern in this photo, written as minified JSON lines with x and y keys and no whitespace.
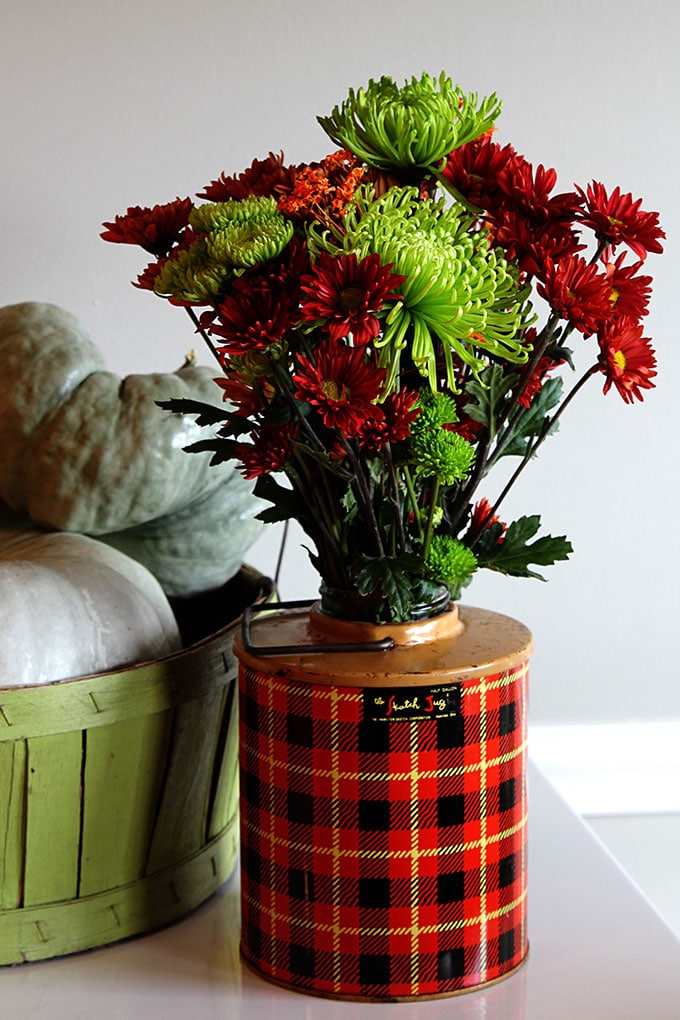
{"x":382,"y":859}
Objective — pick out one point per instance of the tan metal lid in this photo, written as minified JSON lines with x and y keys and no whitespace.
{"x":462,"y":643}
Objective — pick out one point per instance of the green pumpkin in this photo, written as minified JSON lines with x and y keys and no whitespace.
{"x":85,"y":451}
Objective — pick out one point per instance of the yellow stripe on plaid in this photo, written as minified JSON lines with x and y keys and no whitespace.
{"x":440,"y":851}
{"x":457,"y":770}
{"x":430,"y":929}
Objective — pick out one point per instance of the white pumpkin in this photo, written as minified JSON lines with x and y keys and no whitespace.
{"x":71,"y":606}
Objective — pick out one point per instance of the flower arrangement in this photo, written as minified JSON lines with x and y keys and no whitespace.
{"x":394,"y":320}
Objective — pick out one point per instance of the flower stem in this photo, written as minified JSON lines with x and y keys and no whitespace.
{"x":364,"y":495}
{"x":514,"y":409}
{"x":199,"y":329}
{"x":548,"y":426}
{"x":434,"y":495}
{"x":410,"y":488}
{"x":395,"y":495}
{"x":323,"y":520}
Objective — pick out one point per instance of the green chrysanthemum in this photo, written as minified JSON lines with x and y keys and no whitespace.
{"x":192,"y":276}
{"x":416,"y":125}
{"x":451,"y":563}
{"x":457,"y":288}
{"x":236,"y":236}
{"x":214,"y":215}
{"x":433,"y":449}
{"x":241,"y":245}
{"x":436,"y":409}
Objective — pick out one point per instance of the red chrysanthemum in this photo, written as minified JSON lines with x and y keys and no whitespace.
{"x":155,"y":229}
{"x":271,"y":450}
{"x":262,"y":305}
{"x":244,"y":397}
{"x":341,"y":384}
{"x":629,"y":296}
{"x":398,"y":411}
{"x":251,"y":322}
{"x":281,"y":276}
{"x":147,"y":279}
{"x":346,"y":294}
{"x":473,"y":170}
{"x":529,"y":190}
{"x":577,"y":292}
{"x":466,"y":427}
{"x":530,"y":223}
{"x":627,"y":359}
{"x":617,"y":219}
{"x":263,"y":177}
{"x":533,"y":246}
{"x":483,"y":517}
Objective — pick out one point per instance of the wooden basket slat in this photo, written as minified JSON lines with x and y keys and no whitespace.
{"x":52,"y":818}
{"x":109,"y":916}
{"x":105,"y":698}
{"x":124,"y":768}
{"x":182,"y":821}
{"x":225,"y":804}
{"x":12,"y":830}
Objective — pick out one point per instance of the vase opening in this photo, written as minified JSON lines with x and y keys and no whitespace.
{"x":351,"y":605}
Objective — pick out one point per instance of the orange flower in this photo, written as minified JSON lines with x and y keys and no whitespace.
{"x":323,"y":190}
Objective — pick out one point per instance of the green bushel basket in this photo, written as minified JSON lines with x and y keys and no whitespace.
{"x":119,"y":791}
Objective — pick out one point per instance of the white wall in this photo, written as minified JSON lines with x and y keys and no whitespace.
{"x":111,"y":103}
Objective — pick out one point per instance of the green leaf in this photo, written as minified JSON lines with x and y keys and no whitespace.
{"x":391,"y":576}
{"x":286,"y":503}
{"x":515,"y":554}
{"x":349,"y":505}
{"x":533,"y":419}
{"x":488,"y":396}
{"x":207,"y":414}
{"x":222,"y":449}
{"x":486,"y":546}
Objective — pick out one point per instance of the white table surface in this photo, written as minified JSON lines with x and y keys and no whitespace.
{"x":599,"y":951}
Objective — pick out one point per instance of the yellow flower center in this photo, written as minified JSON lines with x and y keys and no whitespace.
{"x":334,"y":390}
{"x":620,"y":360}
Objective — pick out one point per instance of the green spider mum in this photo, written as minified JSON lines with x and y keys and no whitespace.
{"x":235,"y":236}
{"x":416,"y":125}
{"x":451,"y":563}
{"x":457,"y":288}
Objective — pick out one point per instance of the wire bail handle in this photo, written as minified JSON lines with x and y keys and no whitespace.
{"x":347,"y":646}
